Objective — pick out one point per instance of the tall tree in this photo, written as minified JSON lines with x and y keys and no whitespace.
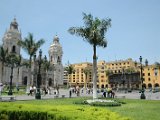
{"x":12,"y":61}
{"x":3,"y":56}
{"x":93,"y":32}
{"x":47,"y":67}
{"x":30,"y":45}
{"x":19,"y":64}
{"x":69,"y":70}
{"x":86,"y":71}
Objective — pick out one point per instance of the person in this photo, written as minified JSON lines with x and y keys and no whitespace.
{"x":70,"y":92}
{"x":77,"y":90}
{"x":49,"y":90}
{"x":1,"y":87}
{"x":112,"y":94}
{"x":34,"y":89}
{"x":30,"y":90}
{"x":104,"y":93}
{"x":44,"y":90}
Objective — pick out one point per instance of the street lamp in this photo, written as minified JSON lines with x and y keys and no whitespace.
{"x":38,"y":93}
{"x":10,"y":84}
{"x":141,"y":77}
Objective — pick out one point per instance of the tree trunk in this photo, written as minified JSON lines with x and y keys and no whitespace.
{"x":29,"y":75}
{"x":95,"y":96}
{"x":46,"y":79}
{"x":2,"y":73}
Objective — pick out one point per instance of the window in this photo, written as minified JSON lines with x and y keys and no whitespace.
{"x":14,"y":49}
{"x":149,"y":79}
{"x":51,"y":58}
{"x":148,"y":74}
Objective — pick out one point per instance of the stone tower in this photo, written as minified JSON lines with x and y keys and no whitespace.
{"x":10,"y":39}
{"x":55,"y":58}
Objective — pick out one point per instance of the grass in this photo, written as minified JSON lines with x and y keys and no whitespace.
{"x":135,"y":109}
{"x":139,"y":109}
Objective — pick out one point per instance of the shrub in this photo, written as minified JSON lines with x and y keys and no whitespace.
{"x":15,"y":111}
{"x":104,"y":104}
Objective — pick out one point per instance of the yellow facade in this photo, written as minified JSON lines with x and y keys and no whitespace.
{"x":151,"y":75}
{"x":78,"y":77}
{"x":115,"y":67}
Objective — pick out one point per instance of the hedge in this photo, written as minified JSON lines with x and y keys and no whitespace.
{"x":13,"y":111}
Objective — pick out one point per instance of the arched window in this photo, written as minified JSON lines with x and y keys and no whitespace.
{"x":149,"y":85}
{"x":156,"y":85}
{"x":144,"y":85}
{"x":102,"y":86}
{"x":25,"y":80}
{"x":14,"y":49}
{"x":50,"y":83}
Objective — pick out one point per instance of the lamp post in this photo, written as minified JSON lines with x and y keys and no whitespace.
{"x":38,"y":94}
{"x":141,"y":77}
{"x":10,"y":84}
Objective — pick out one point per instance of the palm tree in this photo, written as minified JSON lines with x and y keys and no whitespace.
{"x":47,"y":67}
{"x":94,"y":33}
{"x":30,"y":46}
{"x":86,"y":72}
{"x":19,"y":64}
{"x":69,"y":70}
{"x":3,"y":56}
{"x":12,"y":61}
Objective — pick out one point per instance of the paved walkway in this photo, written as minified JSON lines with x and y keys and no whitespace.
{"x":132,"y":95}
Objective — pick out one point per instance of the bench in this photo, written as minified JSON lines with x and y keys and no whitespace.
{"x":7,"y":98}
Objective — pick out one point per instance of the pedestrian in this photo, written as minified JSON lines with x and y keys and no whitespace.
{"x":70,"y":92}
{"x":112,"y":94}
{"x":1,"y":87}
{"x":49,"y":90}
{"x":30,"y":90}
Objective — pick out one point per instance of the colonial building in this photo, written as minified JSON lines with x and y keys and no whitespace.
{"x":82,"y":75}
{"x":120,"y":73}
{"x":151,"y":76}
{"x":21,"y":75}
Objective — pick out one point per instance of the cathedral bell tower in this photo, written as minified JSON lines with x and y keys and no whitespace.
{"x":11,"y":37}
{"x":10,"y":40}
{"x":55,"y":57}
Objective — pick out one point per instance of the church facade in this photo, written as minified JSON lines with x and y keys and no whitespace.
{"x":52,"y":78}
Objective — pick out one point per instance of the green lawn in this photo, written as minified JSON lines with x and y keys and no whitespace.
{"x":139,"y":109}
{"x":135,"y":109}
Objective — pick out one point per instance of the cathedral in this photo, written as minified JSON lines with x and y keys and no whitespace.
{"x":21,"y":75}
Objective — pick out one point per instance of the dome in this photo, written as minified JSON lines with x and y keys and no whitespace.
{"x":56,"y":38}
{"x":14,"y":24}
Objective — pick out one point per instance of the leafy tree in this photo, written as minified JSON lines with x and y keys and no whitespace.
{"x":93,"y":32}
{"x":3,"y":56}
{"x":30,"y":45}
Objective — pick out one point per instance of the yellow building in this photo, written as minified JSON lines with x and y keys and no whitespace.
{"x":115,"y":67}
{"x":79,"y":76}
{"x":151,"y":75}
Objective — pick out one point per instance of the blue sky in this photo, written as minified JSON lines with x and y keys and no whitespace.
{"x":135,"y":27}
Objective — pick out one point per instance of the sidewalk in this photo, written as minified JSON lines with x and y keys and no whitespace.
{"x":65,"y":93}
